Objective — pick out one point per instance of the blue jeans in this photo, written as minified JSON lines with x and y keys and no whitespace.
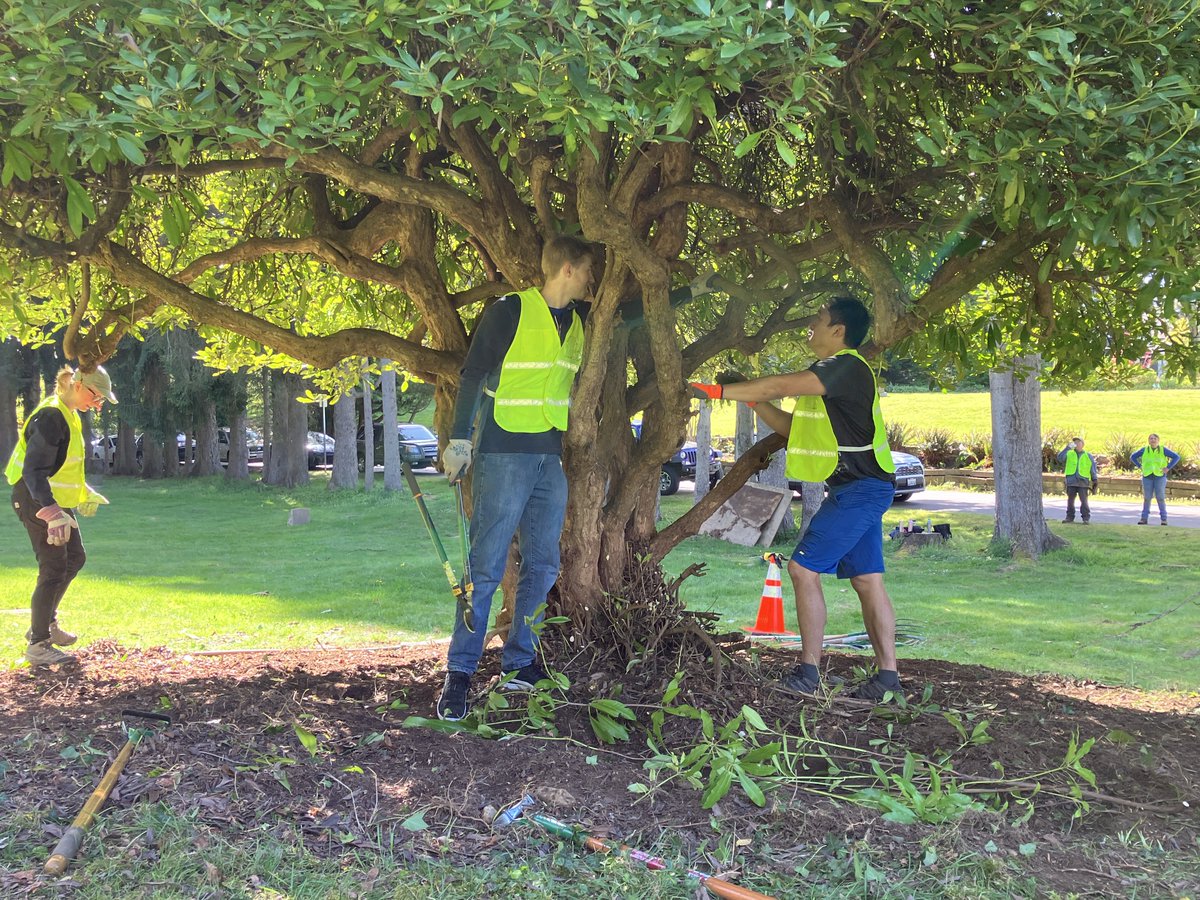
{"x":515,"y":493}
{"x":1154,"y":486}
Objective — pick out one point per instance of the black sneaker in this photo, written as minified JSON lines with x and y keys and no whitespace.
{"x":452,"y":705}
{"x":795,"y":682}
{"x":525,"y":678}
{"x":874,"y":690}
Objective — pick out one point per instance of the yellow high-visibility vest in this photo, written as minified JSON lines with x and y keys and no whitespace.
{"x":812,"y":450}
{"x":534,"y":393}
{"x":1154,"y":460}
{"x":68,"y":484}
{"x":1078,"y":462}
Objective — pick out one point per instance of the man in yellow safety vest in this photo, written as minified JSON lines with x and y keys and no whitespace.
{"x":46,"y":470}
{"x":836,"y":434}
{"x":512,"y":410}
{"x":1081,"y":473}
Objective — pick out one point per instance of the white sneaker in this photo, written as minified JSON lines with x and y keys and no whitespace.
{"x":43,"y":653}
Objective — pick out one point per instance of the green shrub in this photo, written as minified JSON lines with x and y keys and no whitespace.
{"x":1120,"y":449}
{"x":975,"y":450}
{"x":1189,"y":461}
{"x":1052,"y":442}
{"x":897,"y":435}
{"x":938,"y":449}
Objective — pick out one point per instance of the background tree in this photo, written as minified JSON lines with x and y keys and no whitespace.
{"x":358,"y":184}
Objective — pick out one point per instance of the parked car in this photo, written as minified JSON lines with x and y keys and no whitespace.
{"x":103,"y":447}
{"x":319,"y":449}
{"x":418,"y":445}
{"x":682,"y":466}
{"x":254,"y":445}
{"x":910,"y":476}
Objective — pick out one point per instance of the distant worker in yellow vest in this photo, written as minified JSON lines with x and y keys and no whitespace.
{"x":512,"y":410}
{"x":1081,"y":473}
{"x":46,"y":471}
{"x":836,"y":435}
{"x":1155,"y":461}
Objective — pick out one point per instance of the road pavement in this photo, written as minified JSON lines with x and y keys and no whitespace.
{"x":1124,"y":511}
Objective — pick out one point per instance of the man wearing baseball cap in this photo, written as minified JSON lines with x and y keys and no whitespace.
{"x":49,"y":489}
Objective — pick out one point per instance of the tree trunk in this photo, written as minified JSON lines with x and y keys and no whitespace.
{"x":812,"y":495}
{"x":276,"y":465}
{"x":237,"y":467}
{"x":345,"y":451}
{"x":267,"y":381}
{"x":288,"y":465}
{"x":703,"y":450}
{"x":368,"y":436}
{"x":777,"y":477}
{"x":9,"y":383}
{"x":153,"y":459}
{"x":1017,"y":452}
{"x":126,"y":461}
{"x":170,"y":454}
{"x":297,"y":432}
{"x":208,"y":452}
{"x":743,"y":438}
{"x":392,"y":479}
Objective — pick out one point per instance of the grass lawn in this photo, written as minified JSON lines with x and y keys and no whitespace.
{"x":202,"y":564}
{"x":1096,"y":415}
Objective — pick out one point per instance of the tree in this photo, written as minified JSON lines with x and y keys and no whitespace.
{"x":359,"y":184}
{"x":1017,"y":452}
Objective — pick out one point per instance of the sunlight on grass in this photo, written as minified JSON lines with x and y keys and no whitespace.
{"x":201,"y":564}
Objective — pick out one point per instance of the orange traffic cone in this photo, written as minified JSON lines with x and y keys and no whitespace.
{"x":770,"y":607}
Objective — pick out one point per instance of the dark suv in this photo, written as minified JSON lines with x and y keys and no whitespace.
{"x":683,"y":466}
{"x":418,"y":445}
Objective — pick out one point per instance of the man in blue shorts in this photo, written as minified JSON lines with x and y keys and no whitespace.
{"x":836,"y":435}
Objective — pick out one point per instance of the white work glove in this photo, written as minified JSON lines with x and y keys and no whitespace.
{"x":93,"y":502}
{"x":58,"y":524}
{"x":703,"y":284}
{"x":456,"y":459}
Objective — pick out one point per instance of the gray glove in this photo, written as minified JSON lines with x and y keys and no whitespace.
{"x":456,"y":459}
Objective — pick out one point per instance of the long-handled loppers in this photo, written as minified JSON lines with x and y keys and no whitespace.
{"x":72,"y":839}
{"x":462,"y":589}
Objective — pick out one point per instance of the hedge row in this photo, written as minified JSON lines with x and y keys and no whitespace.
{"x":939,"y":449}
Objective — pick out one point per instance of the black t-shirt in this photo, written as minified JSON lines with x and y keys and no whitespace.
{"x":849,"y":399}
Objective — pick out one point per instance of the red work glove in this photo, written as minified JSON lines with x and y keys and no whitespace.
{"x":58,"y":524}
{"x":702,"y":391}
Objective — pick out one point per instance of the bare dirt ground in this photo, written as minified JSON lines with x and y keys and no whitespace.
{"x":234,"y":754}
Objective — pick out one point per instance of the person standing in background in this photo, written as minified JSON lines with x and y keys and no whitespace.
{"x":1082,"y":472}
{"x":1155,"y":461}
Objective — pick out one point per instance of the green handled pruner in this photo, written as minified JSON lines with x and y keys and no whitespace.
{"x":464,"y":588}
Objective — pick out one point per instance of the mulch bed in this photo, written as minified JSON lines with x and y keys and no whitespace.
{"x":235,"y":717}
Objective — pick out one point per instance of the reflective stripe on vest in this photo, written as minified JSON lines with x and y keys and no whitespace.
{"x":1154,"y":460}
{"x":68,"y":484}
{"x":1078,"y":462}
{"x":812,"y":451}
{"x":534,"y":393}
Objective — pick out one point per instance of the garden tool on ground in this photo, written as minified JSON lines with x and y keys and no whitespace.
{"x":464,"y":588}
{"x":714,"y":885}
{"x":69,"y":843}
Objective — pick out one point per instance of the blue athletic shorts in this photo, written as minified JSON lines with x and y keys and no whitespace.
{"x":846,"y":534}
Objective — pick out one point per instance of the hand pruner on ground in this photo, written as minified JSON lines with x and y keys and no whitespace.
{"x":462,"y":589}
